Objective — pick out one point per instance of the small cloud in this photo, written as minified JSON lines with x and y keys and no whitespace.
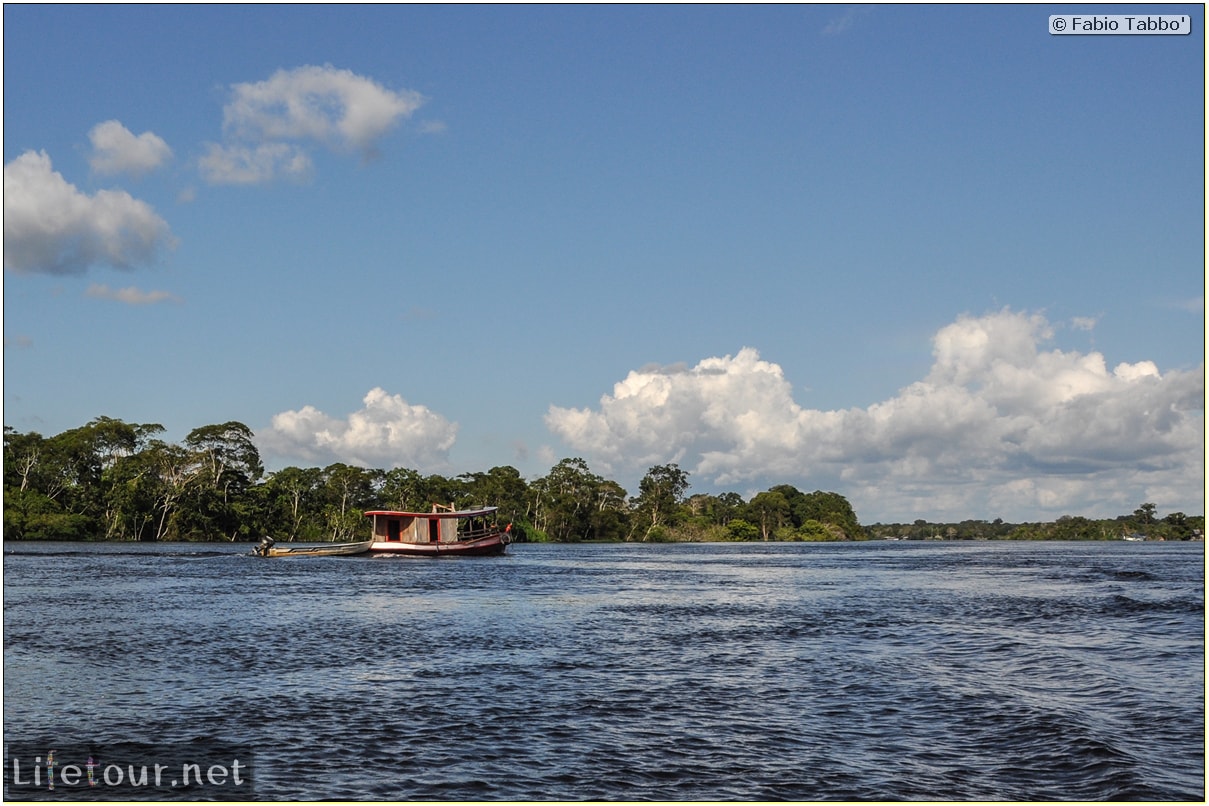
{"x":253,"y":165}
{"x":335,"y":107}
{"x":51,"y":227}
{"x":845,"y":21}
{"x":131,"y":295}
{"x":115,"y":150}
{"x":188,"y":195}
{"x":433,"y":127}
{"x":269,"y":126}
{"x":1084,"y":322}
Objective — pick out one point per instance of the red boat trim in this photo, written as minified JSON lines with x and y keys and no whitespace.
{"x":462,"y":513}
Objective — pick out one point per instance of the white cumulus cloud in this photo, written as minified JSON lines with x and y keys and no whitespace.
{"x":115,"y":150}
{"x":268,"y":124}
{"x":336,"y":107}
{"x":387,"y":432}
{"x":1001,"y":426}
{"x":51,"y":227}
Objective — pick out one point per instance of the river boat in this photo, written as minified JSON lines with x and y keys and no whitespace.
{"x":268,"y":548}
{"x":444,"y":532}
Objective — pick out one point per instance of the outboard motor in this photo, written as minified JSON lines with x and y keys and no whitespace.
{"x":265,"y":544}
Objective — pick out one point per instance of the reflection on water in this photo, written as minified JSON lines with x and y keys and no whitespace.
{"x":688,"y":672}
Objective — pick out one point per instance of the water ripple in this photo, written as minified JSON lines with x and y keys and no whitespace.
{"x":779,"y":672}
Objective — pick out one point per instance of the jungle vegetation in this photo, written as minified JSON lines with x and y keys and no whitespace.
{"x":112,"y":480}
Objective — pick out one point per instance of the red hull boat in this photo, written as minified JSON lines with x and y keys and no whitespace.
{"x":447,"y":533}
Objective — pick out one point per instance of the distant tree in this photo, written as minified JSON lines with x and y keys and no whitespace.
{"x":829,"y":508}
{"x":171,"y":468}
{"x":130,"y":506}
{"x":1178,"y":526}
{"x":443,"y":491}
{"x":22,"y":457}
{"x":404,"y":490}
{"x":227,"y":458}
{"x":1145,"y":514}
{"x":770,"y":510}
{"x":814,"y":530}
{"x":660,"y":494}
{"x":563,"y":500}
{"x":609,"y":518}
{"x":347,"y":492}
{"x":225,"y":464}
{"x":714,"y":509}
{"x":728,"y":506}
{"x":740,"y":529}
{"x":501,"y":487}
{"x":294,"y":495}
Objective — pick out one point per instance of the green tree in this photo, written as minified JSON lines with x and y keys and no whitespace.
{"x":225,"y":463}
{"x":227,"y":458}
{"x":30,"y":515}
{"x":22,"y":460}
{"x":502,"y":487}
{"x":829,"y":508}
{"x":1145,"y":514}
{"x":74,"y":471}
{"x":561,"y":500}
{"x":814,"y":530}
{"x":31,"y":484}
{"x":571,"y":503}
{"x":126,"y":486}
{"x":294,"y":495}
{"x":404,"y":490}
{"x":444,"y":491}
{"x":609,"y":518}
{"x":770,"y":510}
{"x":171,"y":467}
{"x":741,"y":529}
{"x":132,"y":497}
{"x":347,"y":492}
{"x":1181,"y":527}
{"x":660,"y":496}
{"x":715,"y":509}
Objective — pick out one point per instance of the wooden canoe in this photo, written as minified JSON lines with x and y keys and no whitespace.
{"x":313,"y":550}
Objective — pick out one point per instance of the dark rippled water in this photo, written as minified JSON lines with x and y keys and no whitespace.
{"x":950,"y":671}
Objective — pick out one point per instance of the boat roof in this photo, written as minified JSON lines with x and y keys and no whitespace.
{"x":457,"y":513}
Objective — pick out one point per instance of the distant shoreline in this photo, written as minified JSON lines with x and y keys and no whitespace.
{"x":112,"y":481}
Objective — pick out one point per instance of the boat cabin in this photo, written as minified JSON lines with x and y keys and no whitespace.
{"x":450,"y":526}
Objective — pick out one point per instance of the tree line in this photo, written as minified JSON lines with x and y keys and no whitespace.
{"x":1141,"y":524}
{"x":112,"y":480}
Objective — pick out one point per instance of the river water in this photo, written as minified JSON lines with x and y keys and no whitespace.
{"x":860,"y":671}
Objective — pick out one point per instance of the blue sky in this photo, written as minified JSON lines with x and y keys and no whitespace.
{"x":932,"y":258}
